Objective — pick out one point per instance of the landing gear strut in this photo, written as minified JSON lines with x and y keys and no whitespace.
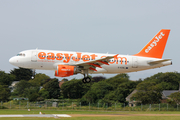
{"x":86,"y":79}
{"x":33,"y":73}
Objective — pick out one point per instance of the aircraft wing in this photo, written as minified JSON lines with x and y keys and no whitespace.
{"x":97,"y":62}
{"x":158,"y":61}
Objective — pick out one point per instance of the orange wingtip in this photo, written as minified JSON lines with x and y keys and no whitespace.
{"x":156,"y":46}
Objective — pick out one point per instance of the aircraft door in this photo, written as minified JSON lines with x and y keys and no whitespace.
{"x":34,"y":56}
{"x":135,"y":62}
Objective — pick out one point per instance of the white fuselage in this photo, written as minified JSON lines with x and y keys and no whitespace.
{"x":66,"y":63}
{"x":50,"y":59}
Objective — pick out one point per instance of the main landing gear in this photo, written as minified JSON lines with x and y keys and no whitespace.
{"x":86,"y":80}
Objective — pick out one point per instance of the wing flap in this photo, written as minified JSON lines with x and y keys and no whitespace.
{"x":98,"y":62}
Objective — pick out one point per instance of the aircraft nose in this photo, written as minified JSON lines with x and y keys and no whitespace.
{"x":13,"y":61}
{"x":16,"y":61}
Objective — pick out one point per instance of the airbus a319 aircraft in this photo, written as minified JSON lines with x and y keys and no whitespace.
{"x":66,"y":63}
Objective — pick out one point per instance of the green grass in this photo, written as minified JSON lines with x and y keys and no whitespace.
{"x":103,"y":118}
{"x":70,"y":112}
{"x":36,"y":111}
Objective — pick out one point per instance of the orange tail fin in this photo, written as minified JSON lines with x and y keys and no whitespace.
{"x":156,"y":46}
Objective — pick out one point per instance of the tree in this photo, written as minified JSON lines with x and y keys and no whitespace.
{"x":124,"y":90}
{"x":32,"y":92}
{"x":26,"y":89}
{"x":148,"y":93}
{"x":20,"y":88}
{"x":117,"y":80}
{"x":110,"y":98}
{"x":74,"y":89}
{"x":167,"y":81}
{"x":6,"y":79}
{"x":40,"y":79}
{"x":53,"y":88}
{"x":43,"y":94}
{"x":4,"y":92}
{"x":97,"y":91}
{"x":33,"y":97}
{"x":175,"y":97}
{"x":22,"y":74}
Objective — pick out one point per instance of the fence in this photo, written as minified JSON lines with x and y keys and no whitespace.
{"x":87,"y":106}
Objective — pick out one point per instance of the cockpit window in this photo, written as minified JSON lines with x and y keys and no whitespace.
{"x":21,"y":54}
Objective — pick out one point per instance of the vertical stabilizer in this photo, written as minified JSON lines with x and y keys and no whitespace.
{"x":156,"y":46}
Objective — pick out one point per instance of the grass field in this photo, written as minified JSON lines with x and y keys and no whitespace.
{"x":101,"y":118}
{"x":97,"y":115}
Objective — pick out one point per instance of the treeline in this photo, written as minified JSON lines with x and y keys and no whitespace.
{"x":117,"y":88}
{"x":111,"y":90}
{"x":38,"y":89}
{"x":150,"y":90}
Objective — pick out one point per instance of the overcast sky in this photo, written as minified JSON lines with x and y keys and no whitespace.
{"x":101,"y":26}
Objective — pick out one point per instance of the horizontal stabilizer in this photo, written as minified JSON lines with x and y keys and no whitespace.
{"x":158,"y":61}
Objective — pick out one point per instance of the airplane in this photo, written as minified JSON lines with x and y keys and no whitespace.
{"x":66,"y":63}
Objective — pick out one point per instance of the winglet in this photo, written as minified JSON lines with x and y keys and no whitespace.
{"x":156,"y":46}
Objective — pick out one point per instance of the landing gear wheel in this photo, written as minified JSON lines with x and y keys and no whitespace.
{"x":84,"y":80}
{"x":88,"y":79}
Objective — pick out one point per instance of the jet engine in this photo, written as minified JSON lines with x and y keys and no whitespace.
{"x":66,"y":70}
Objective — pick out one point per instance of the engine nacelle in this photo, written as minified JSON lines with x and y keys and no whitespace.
{"x":65,"y":70}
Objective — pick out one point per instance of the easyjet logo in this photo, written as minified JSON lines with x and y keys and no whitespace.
{"x":66,"y":57}
{"x":117,"y":60}
{"x":154,"y":42}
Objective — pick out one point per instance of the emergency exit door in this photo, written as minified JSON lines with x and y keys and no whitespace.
{"x":34,"y":56}
{"x":135,"y":62}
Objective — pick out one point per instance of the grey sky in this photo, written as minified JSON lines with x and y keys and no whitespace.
{"x":101,"y":26}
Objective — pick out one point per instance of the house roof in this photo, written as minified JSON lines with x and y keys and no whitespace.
{"x":166,"y":93}
{"x":130,"y":95}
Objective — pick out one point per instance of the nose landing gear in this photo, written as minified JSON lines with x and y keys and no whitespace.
{"x":33,"y":73}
